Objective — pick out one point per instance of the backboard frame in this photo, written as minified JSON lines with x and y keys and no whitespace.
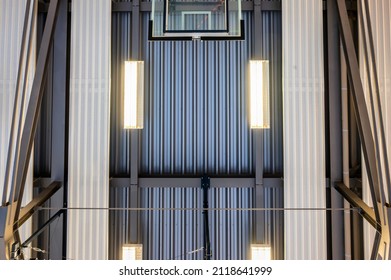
{"x":164,"y":27}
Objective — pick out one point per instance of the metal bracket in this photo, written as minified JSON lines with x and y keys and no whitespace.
{"x":11,"y":235}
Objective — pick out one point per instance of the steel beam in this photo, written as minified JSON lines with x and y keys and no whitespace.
{"x":367,"y":212}
{"x":378,"y":107}
{"x":33,"y":205}
{"x":59,"y":127}
{"x":362,"y":115}
{"x":14,"y":139}
{"x":259,"y":199}
{"x":32,"y":114}
{"x":335,"y":130}
{"x":134,"y":219}
{"x":43,"y":227}
{"x":11,"y":234}
{"x":180,"y":182}
{"x":365,"y":132}
{"x":29,"y":128}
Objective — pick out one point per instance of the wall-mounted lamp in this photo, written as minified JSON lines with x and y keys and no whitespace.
{"x":134,"y":95}
{"x":132,"y":252}
{"x":259,"y":94}
{"x":261,"y":252}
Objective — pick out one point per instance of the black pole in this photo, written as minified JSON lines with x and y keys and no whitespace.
{"x":205,"y":184}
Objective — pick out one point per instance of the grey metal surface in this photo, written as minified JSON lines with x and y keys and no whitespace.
{"x":172,"y":234}
{"x":196,"y":115}
{"x":3,"y":215}
{"x":335,"y":129}
{"x":181,"y":182}
{"x":121,"y":34}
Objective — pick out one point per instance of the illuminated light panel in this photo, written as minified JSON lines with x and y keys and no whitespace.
{"x":134,"y":95}
{"x":259,"y":94}
{"x":132,"y":252}
{"x":261,"y":252}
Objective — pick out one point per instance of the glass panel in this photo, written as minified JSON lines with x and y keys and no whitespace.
{"x":204,"y":15}
{"x":196,"y":18}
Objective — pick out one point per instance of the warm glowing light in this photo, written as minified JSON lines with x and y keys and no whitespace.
{"x":132,"y":252}
{"x":259,"y":94}
{"x":134,"y":95}
{"x":260,"y":252}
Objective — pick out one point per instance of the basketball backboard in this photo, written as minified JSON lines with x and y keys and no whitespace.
{"x":196,"y":19}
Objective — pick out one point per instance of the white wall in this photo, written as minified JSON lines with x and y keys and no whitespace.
{"x":89,"y":113}
{"x":304,"y":133}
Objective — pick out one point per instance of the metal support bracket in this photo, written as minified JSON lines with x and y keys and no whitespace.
{"x":11,"y":235}
{"x":14,"y":213}
{"x":366,"y":211}
{"x":134,"y":187}
{"x":365,"y":132}
{"x":43,"y":227}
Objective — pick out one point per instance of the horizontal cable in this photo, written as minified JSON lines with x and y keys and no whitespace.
{"x":196,"y":209}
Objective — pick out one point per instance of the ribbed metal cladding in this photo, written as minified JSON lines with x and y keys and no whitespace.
{"x":121,"y":31}
{"x":174,"y":233}
{"x":380,"y":12}
{"x":274,"y":221}
{"x":12,"y":15}
{"x":89,"y":113}
{"x":196,"y":106}
{"x":304,"y":133}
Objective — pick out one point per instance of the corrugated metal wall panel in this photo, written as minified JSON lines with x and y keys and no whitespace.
{"x":11,"y":29}
{"x":121,"y":31}
{"x":89,"y":129}
{"x":272,"y":50}
{"x":179,"y":139}
{"x":230,"y":231}
{"x":380,"y":12}
{"x":304,"y":133}
{"x":172,"y":234}
{"x":274,"y":221}
{"x":196,"y":115}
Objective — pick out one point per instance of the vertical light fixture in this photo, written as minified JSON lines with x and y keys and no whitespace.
{"x":134,"y":95}
{"x":259,"y":94}
{"x":260,"y":252}
{"x":132,"y":252}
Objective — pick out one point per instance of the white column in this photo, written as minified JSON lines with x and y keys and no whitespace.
{"x":12,"y":14}
{"x":304,"y":132}
{"x":380,"y":12}
{"x":89,"y":115}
